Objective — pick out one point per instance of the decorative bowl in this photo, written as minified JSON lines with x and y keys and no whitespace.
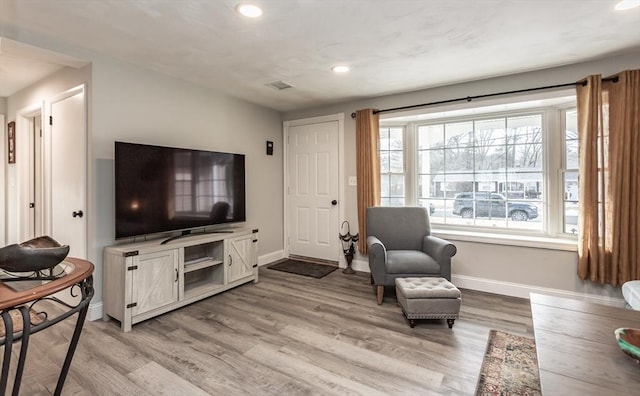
{"x":629,"y":341}
{"x":33,"y":255}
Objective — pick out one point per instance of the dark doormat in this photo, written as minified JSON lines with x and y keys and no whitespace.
{"x":303,"y":268}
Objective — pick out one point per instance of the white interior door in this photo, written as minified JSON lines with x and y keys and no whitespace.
{"x":35,"y":177}
{"x":68,"y":172}
{"x":313,"y":188}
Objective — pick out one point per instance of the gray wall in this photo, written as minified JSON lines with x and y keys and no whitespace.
{"x":135,"y":105}
{"x":486,"y":266}
{"x":128,"y":103}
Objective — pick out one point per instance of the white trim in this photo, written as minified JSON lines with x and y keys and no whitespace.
{"x":95,"y":311}
{"x":339,"y":117}
{"x":3,"y":178}
{"x":361,"y":265}
{"x":523,"y":291}
{"x":570,"y":245}
{"x":271,"y":257}
{"x":510,"y":288}
{"x":24,"y":134}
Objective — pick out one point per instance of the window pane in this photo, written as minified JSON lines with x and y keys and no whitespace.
{"x":384,"y":139}
{"x":396,"y":185}
{"x":391,"y":166}
{"x":525,"y":129}
{"x":490,"y":157}
{"x":396,"y":202}
{"x":490,"y":132}
{"x":571,"y":140}
{"x":430,"y":161}
{"x":571,"y":156}
{"x":458,"y":159}
{"x":570,"y":184}
{"x":384,"y":186}
{"x":396,"y":162}
{"x":459,"y":134}
{"x":523,"y":156}
{"x":384,"y":162}
{"x":395,"y":139}
{"x":430,"y":136}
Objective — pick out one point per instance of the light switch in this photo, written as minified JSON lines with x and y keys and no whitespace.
{"x":353,"y":181}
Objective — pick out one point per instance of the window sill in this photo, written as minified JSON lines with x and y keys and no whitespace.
{"x":510,"y":240}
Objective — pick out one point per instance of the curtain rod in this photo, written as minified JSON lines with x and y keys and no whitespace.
{"x":470,"y":98}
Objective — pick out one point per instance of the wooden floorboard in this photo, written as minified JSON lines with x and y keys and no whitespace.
{"x":286,"y":335}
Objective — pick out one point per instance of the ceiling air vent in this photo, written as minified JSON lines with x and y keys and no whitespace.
{"x":279,"y":85}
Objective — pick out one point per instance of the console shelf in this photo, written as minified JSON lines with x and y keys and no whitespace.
{"x":146,"y":279}
{"x":200,"y":264}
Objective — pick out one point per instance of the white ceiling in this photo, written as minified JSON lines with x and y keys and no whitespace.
{"x":391,"y":45}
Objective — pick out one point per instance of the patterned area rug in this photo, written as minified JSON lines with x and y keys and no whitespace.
{"x":303,"y":268}
{"x":510,"y":366}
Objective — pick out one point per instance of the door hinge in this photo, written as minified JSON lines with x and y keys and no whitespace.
{"x":50,"y":120}
{"x":132,"y":305}
{"x":132,"y":268}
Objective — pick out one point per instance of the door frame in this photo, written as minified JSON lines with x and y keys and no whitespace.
{"x":3,"y":180}
{"x":24,"y":132}
{"x":339,"y":117}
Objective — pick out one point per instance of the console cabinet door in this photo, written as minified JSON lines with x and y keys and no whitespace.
{"x":155,"y":281}
{"x":241,"y":257}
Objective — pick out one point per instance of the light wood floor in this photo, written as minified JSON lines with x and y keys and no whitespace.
{"x":286,"y":335}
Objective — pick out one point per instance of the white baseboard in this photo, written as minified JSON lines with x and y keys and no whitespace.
{"x":360,"y":265}
{"x":271,"y":257}
{"x":522,"y":291}
{"x":511,"y":289}
{"x":95,"y":311}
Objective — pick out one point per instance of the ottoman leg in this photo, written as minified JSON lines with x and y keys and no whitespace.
{"x":450,"y":322}
{"x":412,"y":323}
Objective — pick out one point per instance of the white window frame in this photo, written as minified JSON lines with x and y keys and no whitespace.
{"x":553,"y":235}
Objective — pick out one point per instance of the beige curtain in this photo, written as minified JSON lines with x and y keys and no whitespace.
{"x":609,"y":182}
{"x":367,"y":168}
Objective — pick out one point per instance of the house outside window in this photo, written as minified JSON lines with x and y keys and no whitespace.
{"x":510,"y":172}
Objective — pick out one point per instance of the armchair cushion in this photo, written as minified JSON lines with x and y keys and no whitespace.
{"x":411,"y":262}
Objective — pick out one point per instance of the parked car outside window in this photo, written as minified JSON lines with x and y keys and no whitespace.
{"x":485,"y":204}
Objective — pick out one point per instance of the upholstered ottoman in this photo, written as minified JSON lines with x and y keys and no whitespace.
{"x":428,"y":298}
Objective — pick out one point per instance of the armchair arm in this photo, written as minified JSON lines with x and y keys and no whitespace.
{"x":377,"y":259}
{"x":441,"y":251}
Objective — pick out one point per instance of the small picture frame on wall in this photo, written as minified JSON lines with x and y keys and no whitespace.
{"x":11,"y":143}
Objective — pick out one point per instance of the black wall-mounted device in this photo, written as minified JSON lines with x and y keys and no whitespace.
{"x":269,"y":148}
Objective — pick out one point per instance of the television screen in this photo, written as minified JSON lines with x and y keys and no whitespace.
{"x":161,"y":189}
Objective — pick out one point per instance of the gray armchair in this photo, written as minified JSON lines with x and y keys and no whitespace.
{"x":400,"y":245}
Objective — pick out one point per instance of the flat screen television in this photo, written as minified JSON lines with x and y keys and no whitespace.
{"x":162,"y":189}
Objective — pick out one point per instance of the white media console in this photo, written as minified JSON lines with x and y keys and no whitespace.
{"x":146,"y":279}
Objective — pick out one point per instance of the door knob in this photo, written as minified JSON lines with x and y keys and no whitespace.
{"x":334,"y":202}
{"x":77,"y":214}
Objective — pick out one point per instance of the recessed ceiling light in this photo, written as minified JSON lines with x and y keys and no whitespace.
{"x":249,"y":10}
{"x":627,"y":4}
{"x":340,"y":69}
